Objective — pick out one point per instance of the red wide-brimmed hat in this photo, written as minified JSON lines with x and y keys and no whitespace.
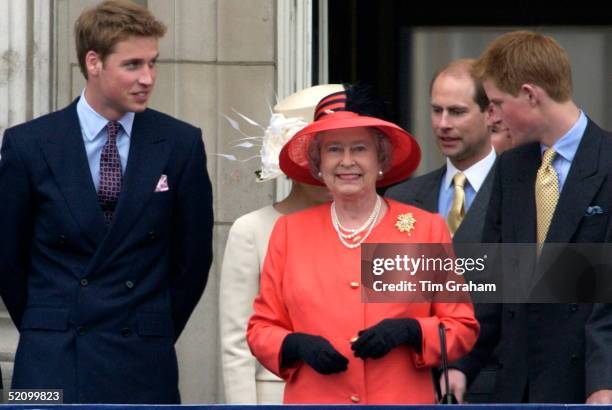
{"x":332,"y":114}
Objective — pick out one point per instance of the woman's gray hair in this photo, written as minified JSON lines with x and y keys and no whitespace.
{"x":384,"y":149}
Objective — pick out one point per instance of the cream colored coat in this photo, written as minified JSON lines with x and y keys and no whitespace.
{"x":245,"y":380}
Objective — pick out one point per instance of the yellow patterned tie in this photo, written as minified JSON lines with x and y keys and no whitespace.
{"x":457,"y":210}
{"x":546,"y":193}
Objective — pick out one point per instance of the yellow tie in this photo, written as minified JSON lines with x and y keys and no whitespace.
{"x":546,"y":193}
{"x":457,"y":210}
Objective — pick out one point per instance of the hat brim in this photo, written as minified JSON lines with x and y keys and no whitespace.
{"x":405,"y":156}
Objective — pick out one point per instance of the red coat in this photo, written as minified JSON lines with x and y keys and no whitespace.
{"x":310,"y":283}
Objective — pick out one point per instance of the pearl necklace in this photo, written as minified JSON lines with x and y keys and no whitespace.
{"x":345,"y":233}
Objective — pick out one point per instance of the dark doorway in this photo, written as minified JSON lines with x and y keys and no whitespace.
{"x":365,"y":35}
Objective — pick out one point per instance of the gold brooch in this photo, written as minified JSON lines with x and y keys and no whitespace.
{"x":405,"y":223}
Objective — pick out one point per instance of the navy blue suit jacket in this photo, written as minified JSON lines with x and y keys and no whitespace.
{"x":99,"y":308}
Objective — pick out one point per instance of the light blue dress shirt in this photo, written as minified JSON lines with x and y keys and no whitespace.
{"x":566,"y":148}
{"x":93,"y":129}
{"x":474,"y":178}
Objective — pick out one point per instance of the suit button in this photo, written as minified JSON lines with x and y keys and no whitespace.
{"x":84,"y":282}
{"x":574,"y":359}
{"x":573,"y":307}
{"x":81,"y":330}
{"x":355,"y":399}
{"x":126,"y":331}
{"x":152,"y":235}
{"x":61,"y":240}
{"x":354,"y":285}
{"x":129,"y":284}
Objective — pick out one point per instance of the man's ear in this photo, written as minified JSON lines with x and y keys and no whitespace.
{"x":93,"y":63}
{"x":532,"y":93}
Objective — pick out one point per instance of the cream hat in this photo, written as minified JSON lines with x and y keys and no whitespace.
{"x":290,"y":115}
{"x":302,"y":103}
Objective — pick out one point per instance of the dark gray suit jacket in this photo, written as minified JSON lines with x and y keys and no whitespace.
{"x":548,"y":353}
{"x":423,"y":192}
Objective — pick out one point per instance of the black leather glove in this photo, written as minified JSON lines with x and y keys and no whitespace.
{"x":378,"y":340}
{"x":316,"y":351}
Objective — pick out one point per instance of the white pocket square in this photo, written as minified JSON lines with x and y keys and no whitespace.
{"x":162,"y":184}
{"x":594,"y":210}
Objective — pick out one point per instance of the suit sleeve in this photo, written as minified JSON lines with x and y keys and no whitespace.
{"x":598,"y":360}
{"x":489,"y":315}
{"x":599,"y":348}
{"x":192,"y":236}
{"x":270,"y":323}
{"x":16,"y":216}
{"x":458,"y":318}
{"x":238,"y":288}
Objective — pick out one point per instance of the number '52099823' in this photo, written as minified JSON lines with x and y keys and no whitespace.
{"x":35,"y":396}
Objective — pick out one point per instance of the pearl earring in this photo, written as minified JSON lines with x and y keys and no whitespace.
{"x":320,"y":174}
{"x":380,"y":173}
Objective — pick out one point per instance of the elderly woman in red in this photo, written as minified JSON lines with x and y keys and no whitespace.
{"x":310,"y":326}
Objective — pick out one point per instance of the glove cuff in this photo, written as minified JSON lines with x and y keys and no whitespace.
{"x":290,"y":349}
{"x":414,"y":334}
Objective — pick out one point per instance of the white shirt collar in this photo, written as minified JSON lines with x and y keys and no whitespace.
{"x":92,"y":122}
{"x":475,"y":174}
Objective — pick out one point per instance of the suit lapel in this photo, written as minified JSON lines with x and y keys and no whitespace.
{"x":471,"y":227}
{"x":65,"y":154}
{"x":582,"y":184}
{"x":428,"y":194}
{"x":522,"y":214}
{"x":146,"y":161}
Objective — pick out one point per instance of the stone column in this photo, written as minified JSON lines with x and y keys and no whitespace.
{"x":294,"y":61}
{"x":13,"y":62}
{"x":24,"y":93}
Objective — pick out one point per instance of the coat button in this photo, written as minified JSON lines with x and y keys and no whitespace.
{"x":152,"y":235}
{"x":354,"y":285}
{"x":81,"y":330}
{"x":573,"y":307}
{"x":84,"y":282}
{"x":61,"y":240}
{"x":355,"y":399}
{"x":129,"y":284}
{"x":126,"y":331}
{"x":574,"y":359}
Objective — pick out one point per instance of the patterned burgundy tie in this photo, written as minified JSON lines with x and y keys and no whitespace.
{"x":110,"y":173}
